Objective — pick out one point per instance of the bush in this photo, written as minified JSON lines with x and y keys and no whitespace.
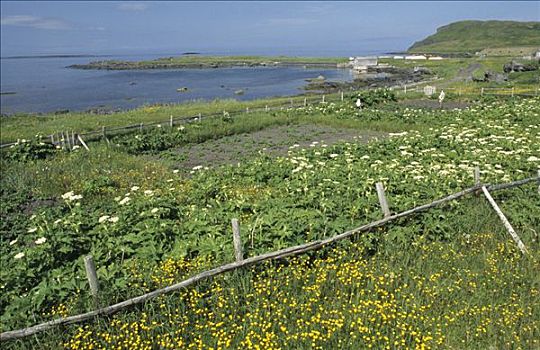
{"x":370,"y":98}
{"x":28,"y":150}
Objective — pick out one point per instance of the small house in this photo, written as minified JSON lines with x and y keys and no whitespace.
{"x":363,"y":63}
{"x":416,"y":57}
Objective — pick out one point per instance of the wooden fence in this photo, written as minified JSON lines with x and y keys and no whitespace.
{"x":482,"y":91}
{"x":279,"y":254}
{"x":69,"y":139}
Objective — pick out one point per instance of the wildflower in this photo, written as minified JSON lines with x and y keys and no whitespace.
{"x":148,"y":192}
{"x":67,"y":195}
{"x":13,"y":242}
{"x":175,"y":171}
{"x":19,"y":255}
{"x":135,"y":188}
{"x":41,"y":240}
{"x":57,"y":221}
{"x":103,"y":218}
{"x":333,"y":155}
{"x":33,"y":229}
{"x":533,"y":159}
{"x":125,"y":200}
{"x":155,"y":210}
{"x":114,"y":219}
{"x":198,"y":167}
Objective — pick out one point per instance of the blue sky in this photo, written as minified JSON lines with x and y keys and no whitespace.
{"x":297,"y":28}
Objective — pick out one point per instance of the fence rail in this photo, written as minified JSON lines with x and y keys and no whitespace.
{"x":240,"y":262}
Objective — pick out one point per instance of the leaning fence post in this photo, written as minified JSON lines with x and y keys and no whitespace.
{"x":92,"y":276}
{"x":382,"y":199}
{"x":237,"y":241}
{"x":82,"y":142}
{"x":505,"y":221}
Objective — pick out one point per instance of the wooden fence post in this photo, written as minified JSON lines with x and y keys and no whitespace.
{"x":538,"y":181}
{"x":482,"y":92}
{"x":405,"y":89}
{"x":92,"y":277}
{"x":141,"y":126}
{"x":305,"y":102}
{"x":171,"y":122}
{"x":237,"y":241}
{"x":69,"y":146}
{"x":505,"y":221}
{"x":477,"y":176}
{"x":382,"y":199}
{"x":266,"y":108}
{"x":52,"y":139}
{"x":341,"y":96}
{"x":247,"y":109}
{"x":322,"y":98}
{"x":291,"y":102}
{"x":200,"y":116}
{"x":477,"y":181}
{"x":82,"y":142}
{"x":103,"y":132}
{"x":512,"y":91}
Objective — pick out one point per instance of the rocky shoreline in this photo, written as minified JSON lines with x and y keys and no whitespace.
{"x":127,"y":65}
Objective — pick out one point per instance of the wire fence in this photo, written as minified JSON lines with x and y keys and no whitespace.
{"x":69,"y":139}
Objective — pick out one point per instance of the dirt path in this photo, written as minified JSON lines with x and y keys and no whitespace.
{"x":273,"y":141}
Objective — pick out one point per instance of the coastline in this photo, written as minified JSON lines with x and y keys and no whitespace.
{"x":202,"y":62}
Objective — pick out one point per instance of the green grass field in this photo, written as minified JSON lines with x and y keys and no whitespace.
{"x":450,"y":277}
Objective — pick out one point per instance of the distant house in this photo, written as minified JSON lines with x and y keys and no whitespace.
{"x":363,"y":63}
{"x":398,"y":57}
{"x":435,"y":58}
{"x":416,"y":57}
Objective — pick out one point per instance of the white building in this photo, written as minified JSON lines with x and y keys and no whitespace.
{"x":362,"y":63}
{"x":435,"y":58}
{"x":416,"y":57}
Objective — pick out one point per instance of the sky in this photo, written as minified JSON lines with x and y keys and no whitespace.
{"x":271,"y":27}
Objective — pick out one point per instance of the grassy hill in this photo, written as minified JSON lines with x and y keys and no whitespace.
{"x":473,"y":36}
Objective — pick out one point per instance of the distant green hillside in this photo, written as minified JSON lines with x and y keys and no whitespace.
{"x":473,"y":36}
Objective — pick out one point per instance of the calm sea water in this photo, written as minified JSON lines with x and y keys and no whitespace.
{"x":45,"y":85}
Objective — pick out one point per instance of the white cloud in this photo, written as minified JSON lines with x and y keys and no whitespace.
{"x":132,"y":6}
{"x":35,"y":22}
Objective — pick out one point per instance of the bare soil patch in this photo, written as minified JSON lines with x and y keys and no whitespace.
{"x":434,"y":104}
{"x":274,"y":141}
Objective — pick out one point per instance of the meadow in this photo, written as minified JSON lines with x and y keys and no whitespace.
{"x":447,"y":278}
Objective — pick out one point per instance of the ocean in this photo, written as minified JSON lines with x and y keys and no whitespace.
{"x":43,"y":85}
